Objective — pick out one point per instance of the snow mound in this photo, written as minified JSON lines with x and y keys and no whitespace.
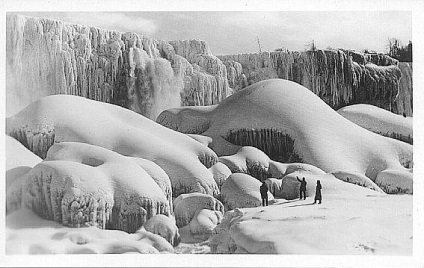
{"x":345,"y":223}
{"x":165,"y":227}
{"x":19,"y":160}
{"x":254,"y":162}
{"x":357,"y":179}
{"x":85,"y":185}
{"x":380,"y":121}
{"x":290,"y":124}
{"x":203,"y":222}
{"x":390,"y":182}
{"x":220,"y":173}
{"x":158,"y":175}
{"x":186,"y":205}
{"x":26,"y":233}
{"x":242,"y":191}
{"x":61,"y":118}
{"x":17,"y":155}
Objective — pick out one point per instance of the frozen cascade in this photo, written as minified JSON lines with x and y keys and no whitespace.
{"x":338,"y":77}
{"x":46,"y":57}
{"x":266,"y":140}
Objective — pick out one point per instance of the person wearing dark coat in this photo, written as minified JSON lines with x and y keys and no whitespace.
{"x":302,"y":188}
{"x":318,"y":192}
{"x":264,"y":193}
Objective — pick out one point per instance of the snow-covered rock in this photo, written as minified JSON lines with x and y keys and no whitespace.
{"x":380,"y":121}
{"x":248,"y":160}
{"x":220,"y":173}
{"x":186,"y":205}
{"x":158,"y":175}
{"x":291,"y":124}
{"x":165,"y":227}
{"x":85,"y":185}
{"x":26,"y":233}
{"x":62,"y":118}
{"x":203,"y":223}
{"x":242,"y":191}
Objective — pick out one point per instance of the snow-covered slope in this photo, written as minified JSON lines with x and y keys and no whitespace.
{"x":61,"y":118}
{"x":26,"y":233}
{"x":379,"y":121}
{"x":350,"y":220}
{"x":291,"y":124}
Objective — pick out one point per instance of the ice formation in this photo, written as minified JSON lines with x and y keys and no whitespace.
{"x":186,"y":205}
{"x":29,"y":234}
{"x":62,"y":118}
{"x":339,"y":77}
{"x":165,"y":227}
{"x":46,"y":57}
{"x":274,"y":186}
{"x":85,"y":185}
{"x":242,"y":191}
{"x":319,"y":135}
{"x":380,"y":121}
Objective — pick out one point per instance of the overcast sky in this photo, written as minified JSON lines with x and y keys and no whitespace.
{"x":237,"y":32}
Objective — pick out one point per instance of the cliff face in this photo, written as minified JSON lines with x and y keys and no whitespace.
{"x":338,"y":77}
{"x":46,"y":57}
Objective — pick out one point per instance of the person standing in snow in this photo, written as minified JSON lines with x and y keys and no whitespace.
{"x":264,"y":193}
{"x":302,"y":188}
{"x":318,"y":192}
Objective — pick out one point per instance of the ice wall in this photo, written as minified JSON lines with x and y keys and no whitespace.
{"x":338,"y":77}
{"x":46,"y":57}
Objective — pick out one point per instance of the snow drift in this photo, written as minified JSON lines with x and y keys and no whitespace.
{"x":380,"y":121}
{"x":279,"y":113}
{"x":62,"y":118}
{"x":28,"y":234}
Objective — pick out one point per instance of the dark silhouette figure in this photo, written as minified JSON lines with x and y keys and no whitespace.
{"x":302,"y":188}
{"x":318,"y":192}
{"x":264,"y":194}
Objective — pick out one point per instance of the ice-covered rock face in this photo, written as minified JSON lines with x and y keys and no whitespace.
{"x":165,"y":227}
{"x":380,"y":121}
{"x":242,"y":191}
{"x":186,"y":205}
{"x":62,"y":118}
{"x":47,"y":57}
{"x":338,"y":77}
{"x":84,"y":185}
{"x":319,"y":136}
